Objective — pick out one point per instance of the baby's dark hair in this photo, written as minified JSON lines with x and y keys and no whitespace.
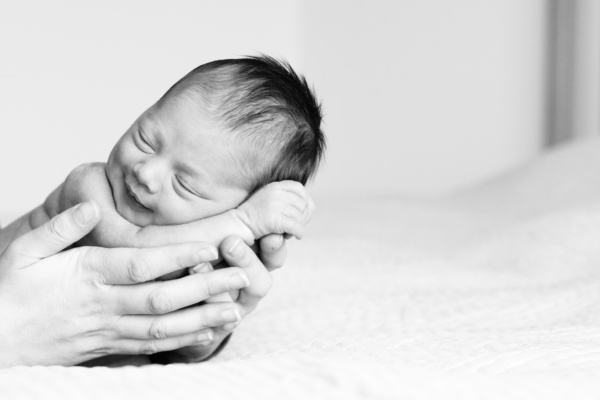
{"x":265,"y":101}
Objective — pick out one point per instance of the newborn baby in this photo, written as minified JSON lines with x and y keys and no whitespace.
{"x":226,"y":151}
{"x":212,"y":146}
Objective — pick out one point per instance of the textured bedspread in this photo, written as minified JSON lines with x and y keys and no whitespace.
{"x":470,"y":297}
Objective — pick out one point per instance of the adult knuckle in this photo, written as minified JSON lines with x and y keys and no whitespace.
{"x":91,"y":260}
{"x":55,"y":228}
{"x":148,"y":348}
{"x":203,"y":321}
{"x":139,"y":271}
{"x":158,"y":330}
{"x":213,"y":288}
{"x":159,"y":303}
{"x":180,"y":261}
{"x":247,"y":260}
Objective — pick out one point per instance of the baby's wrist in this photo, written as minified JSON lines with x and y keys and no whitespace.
{"x":243,"y":225}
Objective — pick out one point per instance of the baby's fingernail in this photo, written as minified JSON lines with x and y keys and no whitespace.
{"x":231,"y":315}
{"x":204,"y":267}
{"x":85,"y":212}
{"x":235,"y":249}
{"x":208,"y":254}
{"x":239,"y":281}
{"x":205,"y":337}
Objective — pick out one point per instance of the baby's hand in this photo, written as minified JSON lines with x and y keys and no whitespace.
{"x":280,"y":207}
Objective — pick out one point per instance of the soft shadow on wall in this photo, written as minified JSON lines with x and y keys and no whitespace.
{"x":425,"y":96}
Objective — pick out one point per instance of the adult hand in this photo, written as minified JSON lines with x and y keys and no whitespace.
{"x":273,"y":251}
{"x":88,"y":302}
{"x":235,"y":253}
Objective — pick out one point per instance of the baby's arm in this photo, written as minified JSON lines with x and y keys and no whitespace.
{"x":282,"y":207}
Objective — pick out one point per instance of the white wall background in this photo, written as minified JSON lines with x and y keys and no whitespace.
{"x":420,"y":96}
{"x":427,"y":95}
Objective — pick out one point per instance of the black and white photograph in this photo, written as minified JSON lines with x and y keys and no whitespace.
{"x":300,"y":199}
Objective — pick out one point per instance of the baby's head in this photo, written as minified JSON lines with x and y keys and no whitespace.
{"x":220,"y":133}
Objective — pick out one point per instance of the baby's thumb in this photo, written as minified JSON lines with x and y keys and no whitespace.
{"x":55,"y":235}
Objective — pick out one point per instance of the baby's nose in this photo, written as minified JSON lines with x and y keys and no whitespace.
{"x":148,"y":175}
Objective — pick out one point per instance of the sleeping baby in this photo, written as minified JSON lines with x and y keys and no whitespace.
{"x":226,"y":151}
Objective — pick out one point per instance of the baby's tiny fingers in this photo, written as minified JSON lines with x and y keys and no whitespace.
{"x":292,"y":226}
{"x":310,"y":209}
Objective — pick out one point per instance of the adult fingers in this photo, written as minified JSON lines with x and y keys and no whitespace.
{"x":55,"y":235}
{"x":207,"y":267}
{"x":128,"y":266}
{"x":133,"y":346}
{"x":273,"y":251}
{"x":165,"y":297}
{"x":237,"y":254}
{"x":178,"y":323}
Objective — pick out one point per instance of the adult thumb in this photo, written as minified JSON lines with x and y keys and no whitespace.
{"x":55,"y":235}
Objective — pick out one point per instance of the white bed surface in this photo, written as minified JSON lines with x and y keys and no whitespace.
{"x":397,"y":298}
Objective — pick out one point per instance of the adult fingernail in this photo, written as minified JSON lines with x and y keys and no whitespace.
{"x":85,"y":212}
{"x":230,"y":326}
{"x":235,"y":249}
{"x":239,"y":281}
{"x":231,"y":315}
{"x":204,"y":267}
{"x":208,"y":254}
{"x":205,"y":337}
{"x":278,"y":242}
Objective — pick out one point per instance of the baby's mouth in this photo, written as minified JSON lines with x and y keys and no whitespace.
{"x":134,"y":198}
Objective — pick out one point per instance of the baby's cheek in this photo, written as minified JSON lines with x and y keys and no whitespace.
{"x":172,"y":211}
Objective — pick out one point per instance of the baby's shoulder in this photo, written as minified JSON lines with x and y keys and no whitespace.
{"x":88,"y":181}
{"x":88,"y":173}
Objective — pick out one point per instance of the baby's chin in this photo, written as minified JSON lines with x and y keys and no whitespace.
{"x":133,"y":217}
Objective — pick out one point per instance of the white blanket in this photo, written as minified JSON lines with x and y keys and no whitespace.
{"x":469,"y":297}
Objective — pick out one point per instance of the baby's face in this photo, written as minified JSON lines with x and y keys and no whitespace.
{"x":175,"y":165}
